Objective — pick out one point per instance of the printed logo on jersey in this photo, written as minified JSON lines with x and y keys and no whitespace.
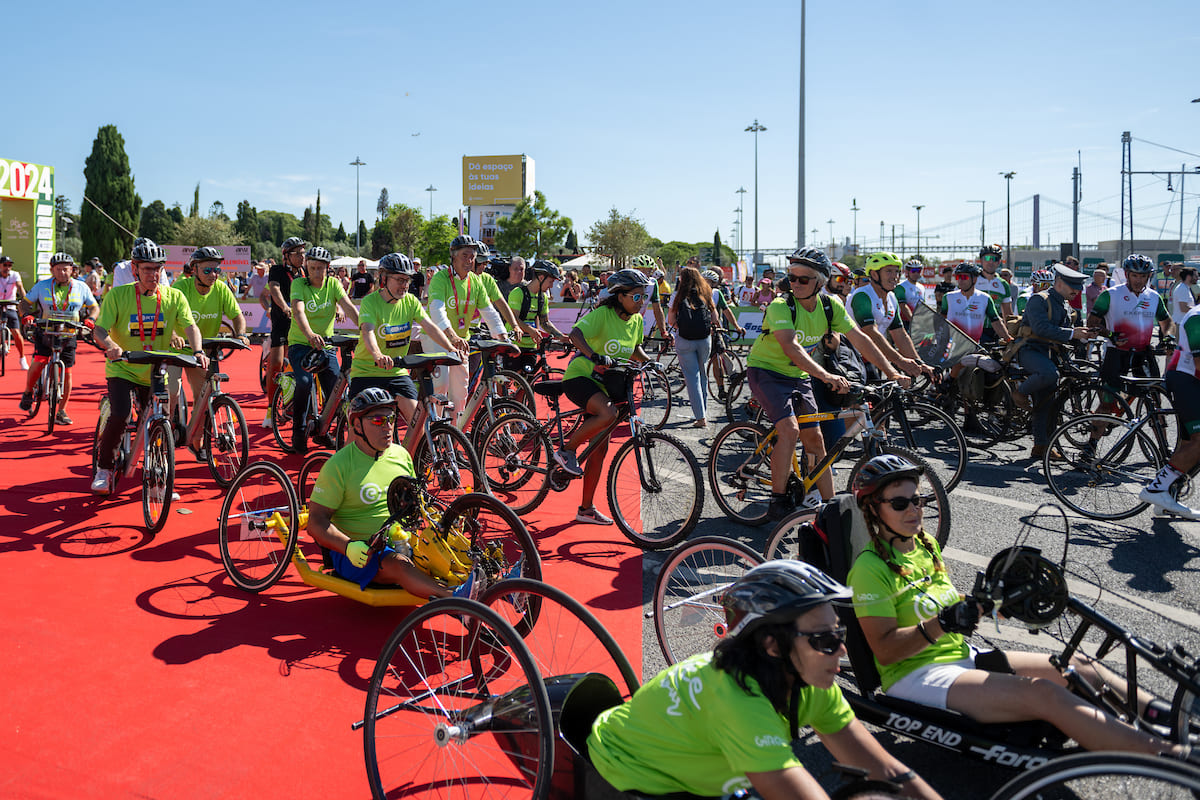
{"x":614,"y":348}
{"x":369,"y":493}
{"x":152,"y":325}
{"x":395,"y":335}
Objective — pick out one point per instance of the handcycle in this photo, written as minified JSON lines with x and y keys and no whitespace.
{"x":1106,"y":459}
{"x":326,"y":415}
{"x":739,"y":464}
{"x":52,"y":381}
{"x":217,"y":430}
{"x":655,"y":489}
{"x":148,"y":440}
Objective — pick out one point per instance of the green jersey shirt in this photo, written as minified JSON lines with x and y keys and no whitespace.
{"x":320,"y":307}
{"x":606,"y":333}
{"x":142,"y":322}
{"x":355,"y":487}
{"x":391,"y":324}
{"x":208,"y":309}
{"x":693,"y":729}
{"x":909,"y":599}
{"x":463,"y":297}
{"x":810,"y":326}
{"x":538,"y":305}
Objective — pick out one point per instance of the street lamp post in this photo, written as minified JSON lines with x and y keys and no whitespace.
{"x":356,"y":163}
{"x":918,"y":208}
{"x":982,"y":222}
{"x":1008,"y":176}
{"x":854,"y":207}
{"x":830,"y":221}
{"x":430,"y":188}
{"x":755,"y":128}
{"x":741,"y":193}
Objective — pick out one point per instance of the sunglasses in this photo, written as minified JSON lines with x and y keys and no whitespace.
{"x":839,"y":279}
{"x":915,"y":269}
{"x":827,"y":642}
{"x":211,"y":270}
{"x":382,"y":420}
{"x":991,"y":258}
{"x":902,"y":503}
{"x":963,"y":277}
{"x":803,"y":280}
{"x":637,"y":298}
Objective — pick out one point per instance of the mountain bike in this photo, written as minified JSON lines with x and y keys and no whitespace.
{"x":217,"y":431}
{"x":52,"y":381}
{"x":326,"y":415}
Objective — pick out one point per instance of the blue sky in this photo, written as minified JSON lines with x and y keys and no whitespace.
{"x":637,"y":105}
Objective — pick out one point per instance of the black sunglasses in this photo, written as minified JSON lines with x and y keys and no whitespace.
{"x":902,"y":503}
{"x":827,"y":642}
{"x":803,"y":280}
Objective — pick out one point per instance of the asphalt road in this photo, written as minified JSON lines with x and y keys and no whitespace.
{"x":1140,"y":572}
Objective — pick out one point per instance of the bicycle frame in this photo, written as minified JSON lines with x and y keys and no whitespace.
{"x":147,"y":412}
{"x":864,"y":429}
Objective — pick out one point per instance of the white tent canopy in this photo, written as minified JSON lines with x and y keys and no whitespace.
{"x":351,"y":262}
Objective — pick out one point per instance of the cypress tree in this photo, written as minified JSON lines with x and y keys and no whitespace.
{"x":110,"y":186}
{"x":717,"y":249}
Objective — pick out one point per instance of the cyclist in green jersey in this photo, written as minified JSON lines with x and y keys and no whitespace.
{"x":531,"y":299}
{"x":725,"y":720}
{"x":483,"y":256}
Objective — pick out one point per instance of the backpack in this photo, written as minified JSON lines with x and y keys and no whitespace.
{"x":843,"y":360}
{"x":693,"y":323}
{"x":527,"y":303}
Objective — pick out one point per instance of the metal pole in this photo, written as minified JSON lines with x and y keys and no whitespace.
{"x":430,"y":188}
{"x":755,"y":128}
{"x":1008,"y":176}
{"x":741,"y":193}
{"x":800,"y":183}
{"x":918,"y":208}
{"x":982,"y":222}
{"x":854,"y":207}
{"x":356,"y":163}
{"x":1075,"y":214}
{"x":1182,"y":173}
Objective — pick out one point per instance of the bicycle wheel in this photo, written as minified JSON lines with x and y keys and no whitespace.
{"x":456,"y":707}
{"x":721,"y":368}
{"x":255,"y":548}
{"x":511,"y":385}
{"x":1185,"y":717}
{"x":55,"y":375}
{"x":516,"y":460}
{"x":739,"y":472}
{"x":1104,"y":483}
{"x":652,"y":395}
{"x":39,"y":390}
{"x":158,"y":474}
{"x":987,"y":423}
{"x":688,"y":615}
{"x":307,"y":477}
{"x":479,"y":424}
{"x":936,"y":514}
{"x":451,"y":469}
{"x":103,"y":409}
{"x":1164,"y":425}
{"x":1085,"y":776}
{"x":281,"y":411}
{"x":226,"y":440}
{"x":5,"y":345}
{"x":497,"y":537}
{"x":784,"y":541}
{"x":561,"y":634}
{"x":931,"y":433}
{"x":655,"y":490}
{"x":1085,"y":399}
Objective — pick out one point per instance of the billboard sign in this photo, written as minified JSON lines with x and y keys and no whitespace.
{"x":496,"y":180}
{"x":27,"y":217}
{"x":237,"y":257}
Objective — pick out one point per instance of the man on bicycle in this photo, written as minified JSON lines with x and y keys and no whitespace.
{"x":532,"y":300}
{"x":210,"y":300}
{"x":1183,"y":384}
{"x":455,"y":295}
{"x":992,"y":284}
{"x":12,"y":289}
{"x":349,"y":500}
{"x":972,"y":311}
{"x":139,"y":315}
{"x":874,"y":308}
{"x":279,"y":295}
{"x":780,"y":365}
{"x":58,"y":297}
{"x":909,"y":292}
{"x":1131,"y":312}
{"x":483,"y":256}
{"x":385,"y":321}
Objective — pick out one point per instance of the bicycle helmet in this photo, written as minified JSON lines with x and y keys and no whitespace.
{"x":712,"y":276}
{"x":482,"y":251}
{"x":643,"y":262}
{"x":541,"y":267}
{"x":1023,"y":584}
{"x":1042,"y":276}
{"x":842,"y":268}
{"x":397,"y":264}
{"x":317,"y":360}
{"x":5,"y":260}
{"x":882,"y":470}
{"x":914,"y":266}
{"x":207,"y":254}
{"x":812,"y":257}
{"x":461,"y":241}
{"x":61,"y":258}
{"x":1138,"y":264}
{"x":991,"y":250}
{"x":318,"y":253}
{"x":369,"y":399}
{"x":777,"y":591}
{"x":627,"y":279}
{"x":967,"y":268}
{"x":148,"y":251}
{"x":291,"y":243}
{"x":880,"y":260}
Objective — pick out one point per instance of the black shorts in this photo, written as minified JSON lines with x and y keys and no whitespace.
{"x":280,"y":325}
{"x":10,"y":317}
{"x":42,"y":350}
{"x":398,"y":385}
{"x":1185,"y":397}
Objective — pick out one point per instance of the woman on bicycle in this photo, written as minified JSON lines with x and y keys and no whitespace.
{"x":317,"y":300}
{"x":694,"y":316}
{"x":385,"y":322}
{"x":613,"y":330}
{"x":725,"y":720}
{"x":915,"y":621}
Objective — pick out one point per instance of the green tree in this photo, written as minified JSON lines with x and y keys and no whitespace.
{"x":676,"y":252}
{"x":217,"y":209}
{"x":534,"y":228}
{"x":406,"y":227}
{"x":205,"y":231}
{"x":381,"y":239}
{"x":176,"y":212}
{"x":572,"y":244}
{"x":364,"y":236}
{"x":718,"y":251}
{"x":620,"y":235}
{"x":261,"y":251}
{"x":433,"y":245}
{"x":309,"y":225}
{"x":156,"y":222}
{"x":319,"y":230}
{"x":194,"y":211}
{"x":382,"y":205}
{"x":247,"y":221}
{"x":340,"y":234}
{"x":275,"y":226}
{"x":109,"y":184}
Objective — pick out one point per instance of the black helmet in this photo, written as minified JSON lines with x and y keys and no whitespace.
{"x":461,"y":241}
{"x":991,"y":250}
{"x":777,"y":591}
{"x":207,"y":254}
{"x":5,"y":260}
{"x":627,"y":279}
{"x":1137,"y":263}
{"x":541,"y":267}
{"x":148,"y":251}
{"x":967,"y":268}
{"x":813,"y":257}
{"x":369,"y":399}
{"x":397,"y":264}
{"x":61,"y":258}
{"x":882,"y":470}
{"x":291,"y":243}
{"x":318,"y":253}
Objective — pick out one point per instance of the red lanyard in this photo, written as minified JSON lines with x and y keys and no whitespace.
{"x":460,"y":310}
{"x":141,"y":321}
{"x":66,"y":298}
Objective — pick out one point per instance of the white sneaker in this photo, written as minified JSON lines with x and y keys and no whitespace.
{"x":1163,"y":501}
{"x":592,"y":516}
{"x":24,"y":363}
{"x":812,"y":500}
{"x":102,"y":483}
{"x":268,"y":422}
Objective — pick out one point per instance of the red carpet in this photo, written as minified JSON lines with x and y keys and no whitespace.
{"x":133,"y":668}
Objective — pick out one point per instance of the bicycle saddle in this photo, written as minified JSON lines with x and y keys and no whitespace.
{"x":1135,"y":380}
{"x":220,"y":342}
{"x":159,"y":357}
{"x":548,"y":388}
{"x":343,"y":340}
{"x":490,"y":346}
{"x":426,"y":360}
